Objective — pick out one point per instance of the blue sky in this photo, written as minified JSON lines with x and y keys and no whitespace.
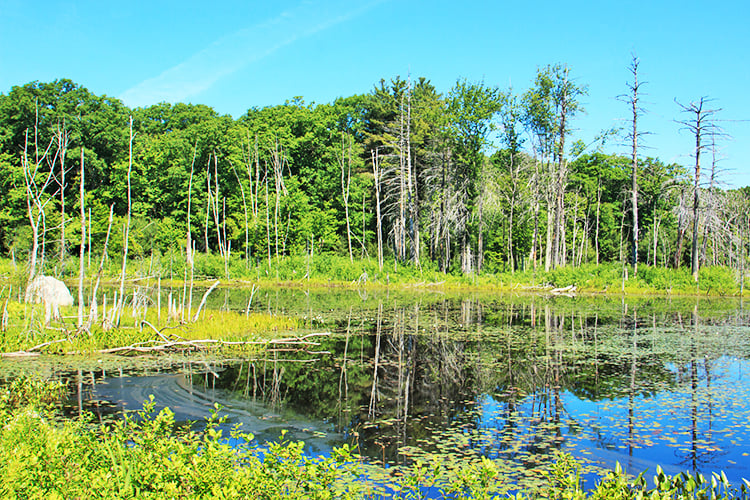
{"x":233,"y":55}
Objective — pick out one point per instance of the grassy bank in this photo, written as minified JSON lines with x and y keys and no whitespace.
{"x":146,"y":456}
{"x":329,"y":269}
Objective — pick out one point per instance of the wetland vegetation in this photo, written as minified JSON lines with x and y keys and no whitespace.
{"x":412,"y":393}
{"x":423,"y":293}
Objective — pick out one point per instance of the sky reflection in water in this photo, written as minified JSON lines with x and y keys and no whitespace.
{"x":513,"y":379}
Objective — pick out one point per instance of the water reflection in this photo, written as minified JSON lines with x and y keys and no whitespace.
{"x":641,"y":382}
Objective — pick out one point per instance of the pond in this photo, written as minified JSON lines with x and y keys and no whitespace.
{"x":418,"y":374}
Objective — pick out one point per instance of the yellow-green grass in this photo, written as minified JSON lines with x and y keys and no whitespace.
{"x":145,"y":329}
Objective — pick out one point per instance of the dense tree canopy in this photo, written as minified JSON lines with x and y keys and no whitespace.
{"x":476,"y":179}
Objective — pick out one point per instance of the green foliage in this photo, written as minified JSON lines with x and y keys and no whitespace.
{"x":586,"y":276}
{"x":272,"y":179}
{"x":660,"y":278}
{"x":145,"y":455}
{"x":718,"y":280}
{"x":564,"y":482}
{"x":31,"y":391}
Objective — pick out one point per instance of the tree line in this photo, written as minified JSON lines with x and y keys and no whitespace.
{"x":475,"y":179}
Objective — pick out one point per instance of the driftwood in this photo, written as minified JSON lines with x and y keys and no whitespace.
{"x":167,"y":345}
{"x":568,"y":291}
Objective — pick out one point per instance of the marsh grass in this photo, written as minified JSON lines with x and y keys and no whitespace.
{"x":26,"y":330}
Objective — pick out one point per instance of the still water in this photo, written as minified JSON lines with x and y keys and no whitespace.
{"x":406,"y":376}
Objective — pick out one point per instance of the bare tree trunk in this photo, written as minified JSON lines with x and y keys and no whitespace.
{"x":62,"y":146}
{"x":279,"y":160}
{"x":257,"y":179}
{"x":634,"y":89}
{"x":215,"y":208}
{"x":622,"y":231}
{"x":535,"y":238}
{"x":244,"y":207}
{"x":268,"y":220}
{"x":209,"y":203}
{"x":514,"y":190}
{"x":92,"y":310}
{"x":598,"y":214}
{"x":189,"y":238}
{"x":364,"y":227}
{"x":227,"y":243}
{"x":412,"y":182}
{"x":548,"y":245}
{"x":558,"y":240}
{"x":699,"y":124}
{"x":655,"y":236}
{"x":127,"y":227}
{"x":346,"y":171}
{"x":694,"y":262}
{"x":35,"y":203}
{"x":400,"y":226}
{"x":379,"y":221}
{"x":88,"y":255}
{"x":32,"y":201}
{"x":681,"y":228}
{"x":575,"y":230}
{"x":82,"y":254}
{"x":480,"y":238}
{"x":711,"y":202}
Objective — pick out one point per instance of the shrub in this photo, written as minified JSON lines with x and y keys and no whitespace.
{"x":715,"y":279}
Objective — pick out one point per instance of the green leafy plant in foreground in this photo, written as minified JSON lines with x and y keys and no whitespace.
{"x":146,"y":456}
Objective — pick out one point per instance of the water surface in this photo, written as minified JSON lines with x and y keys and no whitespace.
{"x":419,"y":374}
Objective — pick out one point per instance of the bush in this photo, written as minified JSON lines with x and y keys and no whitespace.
{"x":715,"y":279}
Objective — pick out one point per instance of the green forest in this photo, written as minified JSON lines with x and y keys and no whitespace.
{"x":475,"y":179}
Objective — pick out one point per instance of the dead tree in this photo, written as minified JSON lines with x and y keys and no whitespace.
{"x":377,"y":175}
{"x":62,"y":139}
{"x":36,"y":184}
{"x":126,"y":235}
{"x":633,"y":100}
{"x":346,"y":178}
{"x":100,"y":271}
{"x":713,"y":223}
{"x":244,"y":207}
{"x":280,"y":161}
{"x":701,"y":122}
{"x":82,"y":253}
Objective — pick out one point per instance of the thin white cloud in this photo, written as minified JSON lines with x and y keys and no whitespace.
{"x":233,"y":52}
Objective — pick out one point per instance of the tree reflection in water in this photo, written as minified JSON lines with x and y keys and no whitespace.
{"x":512,"y":378}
